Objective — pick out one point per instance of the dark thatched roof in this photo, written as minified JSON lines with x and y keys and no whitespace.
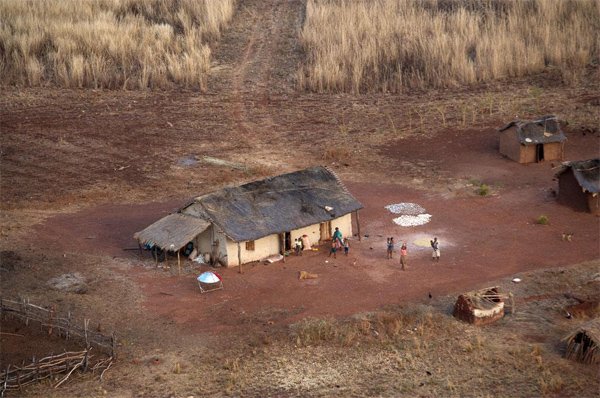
{"x":587,"y":173}
{"x":175,"y":229}
{"x":276,"y":204}
{"x":542,"y":131}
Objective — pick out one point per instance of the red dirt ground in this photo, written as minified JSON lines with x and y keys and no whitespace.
{"x":482,"y":239}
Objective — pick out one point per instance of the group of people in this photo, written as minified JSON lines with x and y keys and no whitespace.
{"x":338,"y":242}
{"x":435,"y":246}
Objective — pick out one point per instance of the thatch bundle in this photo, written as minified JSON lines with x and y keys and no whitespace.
{"x":583,"y":345}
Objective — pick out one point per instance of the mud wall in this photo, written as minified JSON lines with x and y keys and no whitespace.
{"x":570,"y":192}
{"x":509,"y":145}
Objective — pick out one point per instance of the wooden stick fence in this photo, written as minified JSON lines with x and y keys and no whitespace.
{"x":15,"y":377}
{"x":64,"y":327}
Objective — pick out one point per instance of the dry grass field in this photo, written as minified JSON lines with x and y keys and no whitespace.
{"x":394,"y":45}
{"x":133,"y":44}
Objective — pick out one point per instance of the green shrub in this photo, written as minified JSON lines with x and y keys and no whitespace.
{"x":542,"y":220}
{"x":483,"y":190}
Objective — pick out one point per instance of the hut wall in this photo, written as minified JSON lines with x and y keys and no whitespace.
{"x":570,"y":192}
{"x":312,"y":231}
{"x":203,"y":241}
{"x":527,"y":154}
{"x":465,"y":311}
{"x":509,"y":144}
{"x":263,"y":247}
{"x":344,"y":223}
{"x":553,"y":151}
{"x":593,"y":200}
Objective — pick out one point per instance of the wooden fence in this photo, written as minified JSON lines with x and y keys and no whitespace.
{"x":15,"y":377}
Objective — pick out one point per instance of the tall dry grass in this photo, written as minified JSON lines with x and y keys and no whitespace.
{"x":393,"y":45}
{"x":109,"y":43}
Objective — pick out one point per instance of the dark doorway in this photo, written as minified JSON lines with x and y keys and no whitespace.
{"x":539,"y":152}
{"x":288,"y":241}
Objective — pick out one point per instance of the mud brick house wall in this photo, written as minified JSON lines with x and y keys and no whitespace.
{"x":579,"y":185}
{"x":532,"y":141}
{"x":479,"y":307}
{"x":253,"y":221}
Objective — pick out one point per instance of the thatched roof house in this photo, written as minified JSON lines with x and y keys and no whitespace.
{"x":583,"y":345}
{"x":262,"y":218}
{"x":579,"y":185}
{"x":533,"y":141}
{"x":480,"y":307}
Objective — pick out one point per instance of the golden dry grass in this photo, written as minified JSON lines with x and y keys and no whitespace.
{"x":394,"y":45}
{"x":109,"y":43}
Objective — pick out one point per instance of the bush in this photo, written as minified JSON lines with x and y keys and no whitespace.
{"x":483,"y":190}
{"x":542,"y":220}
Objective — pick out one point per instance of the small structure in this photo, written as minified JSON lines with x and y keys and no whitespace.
{"x":251,"y":222}
{"x":480,"y":307}
{"x":579,"y":185}
{"x":209,"y":281}
{"x":533,"y":141}
{"x":583,"y":345}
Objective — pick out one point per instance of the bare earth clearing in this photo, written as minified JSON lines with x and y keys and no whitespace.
{"x":83,"y":170}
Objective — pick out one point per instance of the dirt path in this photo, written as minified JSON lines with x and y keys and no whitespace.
{"x":259,"y":64}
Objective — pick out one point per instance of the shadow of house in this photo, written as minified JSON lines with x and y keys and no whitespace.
{"x":583,"y":345}
{"x":251,"y":222}
{"x":533,"y":141}
{"x":579,"y":185}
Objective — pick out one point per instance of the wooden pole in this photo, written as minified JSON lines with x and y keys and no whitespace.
{"x":283,"y":246}
{"x":358,"y":224}
{"x":240,"y":256}
{"x":155,"y":255}
{"x":178,"y":263}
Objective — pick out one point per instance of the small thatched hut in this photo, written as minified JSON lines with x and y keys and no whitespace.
{"x":533,"y":141}
{"x":480,"y":307}
{"x":583,"y":345}
{"x":579,"y":185}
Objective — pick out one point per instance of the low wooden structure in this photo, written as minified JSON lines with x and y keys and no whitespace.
{"x":533,"y":141}
{"x":254,"y":221}
{"x":481,"y":307}
{"x":579,"y":185}
{"x":17,"y":377}
{"x":583,"y":345}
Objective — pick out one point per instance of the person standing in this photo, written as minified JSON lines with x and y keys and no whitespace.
{"x":435,"y":245}
{"x":334,"y":247}
{"x":298,"y":244}
{"x":390,"y":247}
{"x":337,"y":235}
{"x":403,"y":255}
{"x":346,"y":246}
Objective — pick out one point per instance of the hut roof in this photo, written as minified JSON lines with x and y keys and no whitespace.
{"x":587,"y":173}
{"x":276,"y":204}
{"x":172,"y":232}
{"x":484,"y":299}
{"x":589,"y":352}
{"x":542,"y":131}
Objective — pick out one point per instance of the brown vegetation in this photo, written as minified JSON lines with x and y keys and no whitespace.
{"x":392,"y":45}
{"x":109,"y":43}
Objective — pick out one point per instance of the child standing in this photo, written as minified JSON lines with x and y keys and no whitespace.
{"x":334,"y":246}
{"x":403,"y":254}
{"x":390,"y":247}
{"x":346,"y":246}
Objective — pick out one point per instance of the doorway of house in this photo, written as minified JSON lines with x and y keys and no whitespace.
{"x":539,"y":152}
{"x":325,"y":231}
{"x":288,"y":241}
